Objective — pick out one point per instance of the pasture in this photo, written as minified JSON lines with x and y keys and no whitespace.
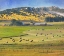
{"x":32,"y":40}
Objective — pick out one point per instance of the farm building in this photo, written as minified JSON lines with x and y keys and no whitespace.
{"x":38,"y":24}
{"x":27,"y":23}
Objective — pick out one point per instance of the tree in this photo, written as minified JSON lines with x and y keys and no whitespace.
{"x":16,"y":22}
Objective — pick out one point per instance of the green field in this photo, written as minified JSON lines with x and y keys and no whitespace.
{"x":38,"y":40}
{"x":7,"y":31}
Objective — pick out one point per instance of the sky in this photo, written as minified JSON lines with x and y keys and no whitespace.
{"x":8,"y":4}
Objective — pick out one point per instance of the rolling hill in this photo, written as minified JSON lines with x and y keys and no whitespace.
{"x":31,"y":13}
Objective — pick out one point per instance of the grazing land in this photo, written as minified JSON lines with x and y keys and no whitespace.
{"x":32,"y":40}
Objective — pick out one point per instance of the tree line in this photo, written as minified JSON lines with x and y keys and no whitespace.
{"x":16,"y":22}
{"x":54,"y":19}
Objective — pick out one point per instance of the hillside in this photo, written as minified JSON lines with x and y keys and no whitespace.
{"x":30,"y":13}
{"x":25,"y":13}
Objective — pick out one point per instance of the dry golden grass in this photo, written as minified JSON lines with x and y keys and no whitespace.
{"x":32,"y":52}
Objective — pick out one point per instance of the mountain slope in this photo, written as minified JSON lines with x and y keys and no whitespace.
{"x":29,"y":13}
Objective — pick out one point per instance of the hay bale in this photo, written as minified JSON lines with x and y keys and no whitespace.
{"x":23,"y":39}
{"x":47,"y":34}
{"x":42,"y":29}
{"x":31,"y":41}
{"x":36,"y":35}
{"x":53,"y":35}
{"x":47,"y":37}
{"x":63,"y":35}
{"x":50,"y":33}
{"x":27,"y":40}
{"x":57,"y":35}
{"x":0,"y":38}
{"x":20,"y":40}
{"x":41,"y":33}
{"x":7,"y":42}
{"x":43,"y":40}
{"x":13,"y":40}
{"x":60,"y":31}
{"x":10,"y":38}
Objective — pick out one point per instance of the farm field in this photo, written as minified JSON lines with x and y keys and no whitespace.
{"x":32,"y":40}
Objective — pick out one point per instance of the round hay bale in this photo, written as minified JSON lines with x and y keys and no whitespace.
{"x":31,"y":41}
{"x":43,"y":40}
{"x":20,"y":40}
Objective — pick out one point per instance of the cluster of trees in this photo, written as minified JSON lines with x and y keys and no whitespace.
{"x":16,"y":22}
{"x":54,"y":19}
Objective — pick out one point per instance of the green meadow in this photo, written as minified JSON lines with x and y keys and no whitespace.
{"x":6,"y":31}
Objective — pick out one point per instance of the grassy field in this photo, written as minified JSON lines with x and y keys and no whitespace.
{"x":32,"y":40}
{"x":6,"y":31}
